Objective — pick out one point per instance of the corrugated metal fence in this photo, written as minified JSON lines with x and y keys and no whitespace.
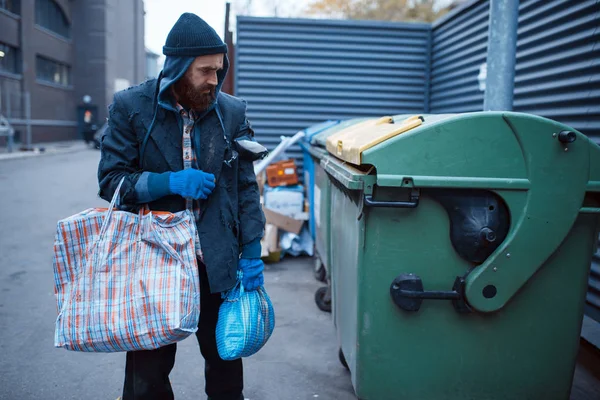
{"x":558,"y":62}
{"x":557,"y":74}
{"x":296,"y":73}
{"x":459,"y":47}
{"x":592,"y":307}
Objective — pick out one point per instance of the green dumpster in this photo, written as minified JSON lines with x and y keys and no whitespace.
{"x":460,"y":251}
{"x":322,"y":208}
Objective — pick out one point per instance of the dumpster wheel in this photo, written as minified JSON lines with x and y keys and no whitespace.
{"x":343,"y":359}
{"x":323,"y":299}
{"x":320,"y":272}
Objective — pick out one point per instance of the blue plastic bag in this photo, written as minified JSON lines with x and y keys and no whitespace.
{"x":246,"y":321}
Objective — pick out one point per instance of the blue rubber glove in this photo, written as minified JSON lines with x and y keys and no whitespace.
{"x":252,"y":273}
{"x":191,"y":183}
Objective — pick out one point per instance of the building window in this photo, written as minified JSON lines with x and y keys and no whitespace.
{"x":14,"y":6}
{"x":53,"y":72}
{"x":9,"y":59}
{"x":49,"y":15}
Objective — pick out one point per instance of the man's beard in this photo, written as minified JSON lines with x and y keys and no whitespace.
{"x":191,"y":96}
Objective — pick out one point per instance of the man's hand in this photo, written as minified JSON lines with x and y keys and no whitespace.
{"x":252,"y":273}
{"x":192,"y":183}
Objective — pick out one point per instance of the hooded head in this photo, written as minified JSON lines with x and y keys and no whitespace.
{"x":195,"y":66}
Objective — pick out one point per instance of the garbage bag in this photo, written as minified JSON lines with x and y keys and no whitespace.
{"x":246,"y":321}
{"x":297,"y":245}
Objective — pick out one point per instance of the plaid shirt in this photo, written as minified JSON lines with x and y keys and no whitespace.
{"x":189,"y":159}
{"x":189,"y":155}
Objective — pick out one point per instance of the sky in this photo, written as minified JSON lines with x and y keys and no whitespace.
{"x":161,"y":15}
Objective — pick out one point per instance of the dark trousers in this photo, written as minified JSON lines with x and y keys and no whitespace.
{"x":147,"y":371}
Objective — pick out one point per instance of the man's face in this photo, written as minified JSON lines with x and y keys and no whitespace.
{"x":196,"y":89}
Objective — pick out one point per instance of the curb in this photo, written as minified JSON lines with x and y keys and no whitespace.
{"x":46,"y":149}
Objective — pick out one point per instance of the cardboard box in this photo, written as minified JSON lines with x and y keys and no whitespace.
{"x":272,"y":238}
{"x":283,"y":222}
{"x":273,"y":257}
{"x":286,"y":200}
{"x":264,"y":250}
{"x":271,"y":252}
{"x":260,"y":180}
{"x":282,"y":173}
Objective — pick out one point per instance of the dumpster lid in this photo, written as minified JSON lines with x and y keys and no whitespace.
{"x":349,"y":144}
{"x":320,"y":139}
{"x":314,"y":130}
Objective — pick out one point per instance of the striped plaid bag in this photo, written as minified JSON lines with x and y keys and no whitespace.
{"x":125,"y":281}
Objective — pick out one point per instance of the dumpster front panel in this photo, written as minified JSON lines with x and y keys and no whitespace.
{"x":525,"y":351}
{"x":309,"y":182}
{"x":346,"y":258}
{"x":322,"y":214}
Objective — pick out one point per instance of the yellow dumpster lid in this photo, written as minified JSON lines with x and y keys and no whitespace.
{"x":349,"y":144}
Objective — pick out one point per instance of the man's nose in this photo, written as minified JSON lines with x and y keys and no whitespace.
{"x":213,"y":80}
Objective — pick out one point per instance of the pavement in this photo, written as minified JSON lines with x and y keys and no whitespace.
{"x":38,"y":149}
{"x":299,"y":361}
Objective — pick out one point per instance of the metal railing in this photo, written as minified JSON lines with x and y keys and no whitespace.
{"x":7,"y":130}
{"x":15,"y":110}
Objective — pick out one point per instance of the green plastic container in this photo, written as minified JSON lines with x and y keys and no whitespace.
{"x":322,"y":188}
{"x":322,"y":209}
{"x":460,"y":251}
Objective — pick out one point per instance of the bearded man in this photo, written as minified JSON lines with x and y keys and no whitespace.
{"x":180,"y":143}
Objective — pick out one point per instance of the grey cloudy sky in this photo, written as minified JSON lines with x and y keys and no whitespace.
{"x":161,"y":15}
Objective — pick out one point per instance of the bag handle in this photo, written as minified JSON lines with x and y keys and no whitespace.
{"x":116,"y":200}
{"x":235,"y":293}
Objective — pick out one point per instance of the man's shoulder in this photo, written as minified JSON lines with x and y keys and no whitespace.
{"x":229,"y":103}
{"x":144,"y":90}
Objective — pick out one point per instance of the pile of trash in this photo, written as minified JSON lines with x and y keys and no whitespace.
{"x":286,"y":210}
{"x":285,"y":205}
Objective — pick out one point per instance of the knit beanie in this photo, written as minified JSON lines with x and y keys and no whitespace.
{"x":191,"y":36}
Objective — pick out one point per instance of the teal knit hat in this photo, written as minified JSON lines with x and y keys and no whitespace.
{"x":191,"y":36}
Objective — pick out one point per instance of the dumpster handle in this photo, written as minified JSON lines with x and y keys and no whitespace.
{"x":408,"y":294}
{"x":589,"y":210}
{"x":412,"y":203}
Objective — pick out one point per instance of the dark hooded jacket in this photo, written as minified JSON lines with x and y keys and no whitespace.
{"x":143,"y":143}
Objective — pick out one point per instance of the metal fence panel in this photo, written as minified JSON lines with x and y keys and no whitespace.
{"x":592,"y":299}
{"x":557,"y":73}
{"x":459,"y":48}
{"x":558,"y":62}
{"x":297,"y":72}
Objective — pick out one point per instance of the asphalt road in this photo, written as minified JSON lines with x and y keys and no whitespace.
{"x":299,"y":362}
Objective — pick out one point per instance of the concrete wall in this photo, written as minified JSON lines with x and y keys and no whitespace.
{"x":110,"y":47}
{"x":9,"y":29}
{"x":89,"y":72}
{"x":106,"y":45}
{"x":48,"y":101}
{"x":125,"y":52}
